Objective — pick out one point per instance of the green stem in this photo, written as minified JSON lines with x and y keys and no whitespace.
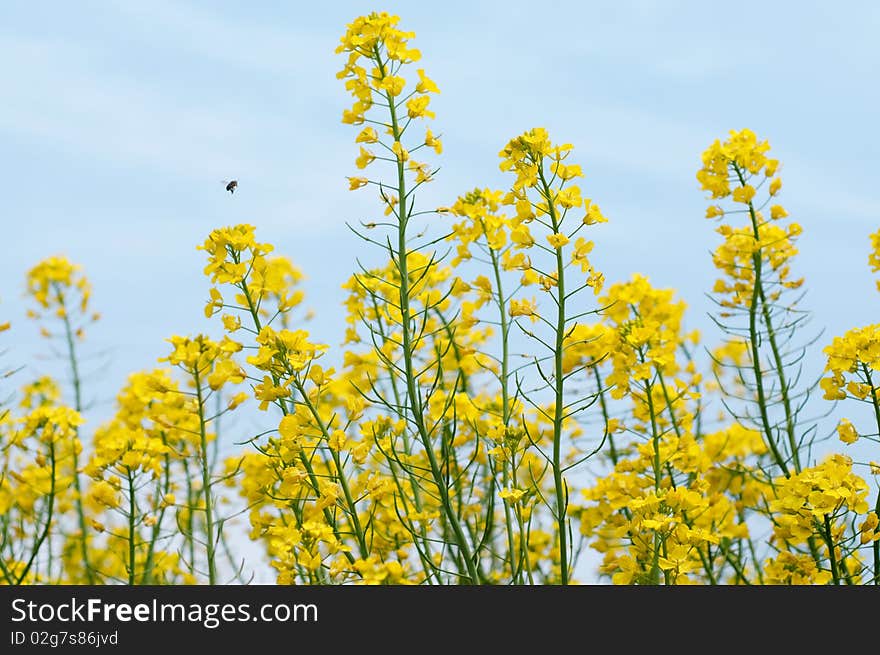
{"x":206,"y":480}
{"x":783,"y":383}
{"x":515,"y":569}
{"x":407,"y":347}
{"x":132,"y":507}
{"x":757,"y":292}
{"x":343,"y":481}
{"x":192,"y":499}
{"x":50,"y":514}
{"x":771,"y":337}
{"x":706,"y":558}
{"x":147,"y":576}
{"x":425,"y":551}
{"x":658,"y":473}
{"x":77,"y":397}
{"x":560,"y":485}
{"x":832,"y":556}
{"x":603,"y":404}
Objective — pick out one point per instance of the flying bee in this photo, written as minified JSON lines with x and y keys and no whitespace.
{"x":230,"y":185}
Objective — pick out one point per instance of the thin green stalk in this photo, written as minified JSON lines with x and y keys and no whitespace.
{"x":559,"y":482}
{"x":50,"y":514}
{"x":146,"y":578}
{"x":655,"y":464}
{"x":206,"y":480}
{"x":132,"y":508}
{"x":417,"y":497}
{"x":77,"y":397}
{"x":771,"y":336}
{"x":832,"y":556}
{"x":191,"y":499}
{"x":412,"y":392}
{"x":505,"y":406}
{"x":876,"y":545}
{"x":757,"y":263}
{"x":603,"y":404}
{"x":706,"y":558}
{"x":343,"y":481}
{"x":758,"y":294}
{"x":783,"y":383}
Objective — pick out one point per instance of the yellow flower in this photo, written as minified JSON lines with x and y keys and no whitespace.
{"x":364,"y":159}
{"x":425,"y":85}
{"x":594,"y":214}
{"x":557,"y":240}
{"x":337,"y":440}
{"x":289,"y":428}
{"x":104,"y":494}
{"x":511,"y":496}
{"x":401,"y":152}
{"x":524,"y":308}
{"x":231,"y":323}
{"x":417,"y":107}
{"x":847,"y":431}
{"x":744,"y":194}
{"x":713,"y":211}
{"x":777,"y":211}
{"x":367,"y":135}
{"x":433,"y":142}
{"x":392,"y":84}
{"x":522,"y":237}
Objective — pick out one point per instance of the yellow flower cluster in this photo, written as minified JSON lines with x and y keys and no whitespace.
{"x":669,"y":512}
{"x":49,"y":281}
{"x":373,"y":73}
{"x":37,"y":470}
{"x":270,"y":288}
{"x":826,"y":490}
{"x":853,"y":361}
{"x":738,"y":169}
{"x":647,"y":328}
{"x":814,"y":507}
{"x":61,"y":291}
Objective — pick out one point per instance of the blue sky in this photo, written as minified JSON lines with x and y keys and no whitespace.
{"x":120,"y":119}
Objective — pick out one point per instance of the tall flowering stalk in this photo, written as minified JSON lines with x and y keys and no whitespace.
{"x":808,"y":524}
{"x":483,"y":233}
{"x":378,"y":56}
{"x":62,"y":295}
{"x":307,"y":499}
{"x":546,"y":200}
{"x":667,"y":513}
{"x":208,"y":366}
{"x":756,"y":262}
